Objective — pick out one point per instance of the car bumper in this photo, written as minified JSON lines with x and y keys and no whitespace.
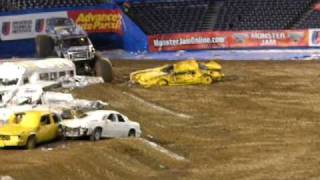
{"x":75,"y":132}
{"x":11,"y":142}
{"x":138,"y":133}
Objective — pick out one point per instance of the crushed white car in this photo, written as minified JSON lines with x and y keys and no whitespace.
{"x":32,"y":97}
{"x":66,"y":100}
{"x":41,"y":72}
{"x":80,"y":81}
{"x":44,"y":73}
{"x":35,"y":95}
{"x":101,"y":123}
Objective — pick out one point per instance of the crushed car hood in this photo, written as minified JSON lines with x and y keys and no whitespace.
{"x":146,"y":74}
{"x":75,"y":123}
{"x":212,"y":65}
{"x":14,"y":129}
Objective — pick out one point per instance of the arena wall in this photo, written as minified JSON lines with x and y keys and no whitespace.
{"x":110,"y":28}
{"x":106,"y":25}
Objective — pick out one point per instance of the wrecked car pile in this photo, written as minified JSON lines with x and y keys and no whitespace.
{"x":31,"y":113}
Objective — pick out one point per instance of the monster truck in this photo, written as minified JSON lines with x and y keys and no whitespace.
{"x":65,"y":39}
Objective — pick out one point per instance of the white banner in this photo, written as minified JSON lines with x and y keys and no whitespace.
{"x":25,"y":26}
{"x":314,"y":37}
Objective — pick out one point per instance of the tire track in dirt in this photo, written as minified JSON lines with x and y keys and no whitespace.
{"x":157,"y":107}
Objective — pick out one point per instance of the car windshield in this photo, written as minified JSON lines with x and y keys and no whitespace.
{"x":60,"y":22}
{"x":8,"y":82}
{"x":203,"y":67}
{"x":82,"y":41}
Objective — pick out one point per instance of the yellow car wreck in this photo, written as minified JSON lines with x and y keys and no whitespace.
{"x":27,"y":129}
{"x":181,"y":73}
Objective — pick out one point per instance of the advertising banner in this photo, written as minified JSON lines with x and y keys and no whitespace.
{"x":314,"y":37}
{"x":187,"y":41}
{"x":228,"y":39}
{"x":316,"y":7}
{"x":279,"y":38}
{"x":98,"y":20}
{"x":25,"y":26}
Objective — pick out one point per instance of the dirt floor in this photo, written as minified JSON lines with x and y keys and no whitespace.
{"x":262,"y":122}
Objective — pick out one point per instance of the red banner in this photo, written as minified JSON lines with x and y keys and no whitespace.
{"x":237,"y":39}
{"x":316,"y":7}
{"x":98,"y":20}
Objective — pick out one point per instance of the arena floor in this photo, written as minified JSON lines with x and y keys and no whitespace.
{"x":262,"y":122}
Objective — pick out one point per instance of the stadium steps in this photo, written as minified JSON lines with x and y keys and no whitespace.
{"x":296,"y":22}
{"x":301,"y":22}
{"x":211,"y":16}
{"x":303,"y":18}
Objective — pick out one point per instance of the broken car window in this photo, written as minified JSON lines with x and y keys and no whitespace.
{"x":62,"y":74}
{"x":44,"y":76}
{"x":168,"y":69}
{"x":203,"y":67}
{"x":56,"y":119}
{"x":53,"y":76}
{"x":45,"y":120}
{"x":18,"y":117}
{"x":8,"y":82}
{"x":112,"y":118}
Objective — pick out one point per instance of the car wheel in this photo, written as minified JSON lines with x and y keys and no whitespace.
{"x":162,"y":82}
{"x":132,"y":133}
{"x":31,"y":143}
{"x":96,"y":134}
{"x":103,"y":68}
{"x":207,"y":80}
{"x":60,"y":133}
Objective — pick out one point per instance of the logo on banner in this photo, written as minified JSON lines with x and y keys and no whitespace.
{"x":22,"y":26}
{"x":6,"y":28}
{"x":39,"y":25}
{"x":98,"y":20}
{"x":240,"y":38}
{"x":296,"y":37}
{"x":315,"y":38}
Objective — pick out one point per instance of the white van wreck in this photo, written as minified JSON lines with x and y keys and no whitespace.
{"x":41,"y":72}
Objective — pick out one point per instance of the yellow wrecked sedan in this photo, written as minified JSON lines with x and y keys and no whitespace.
{"x":181,"y":73}
{"x":27,"y":129}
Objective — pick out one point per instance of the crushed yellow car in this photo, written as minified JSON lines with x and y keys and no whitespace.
{"x":27,"y":129}
{"x":181,"y":73}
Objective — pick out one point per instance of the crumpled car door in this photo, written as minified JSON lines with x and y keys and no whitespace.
{"x":184,"y":78}
{"x":43,"y":133}
{"x":109,"y":128}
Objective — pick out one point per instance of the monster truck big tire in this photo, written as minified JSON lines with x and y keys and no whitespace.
{"x":103,"y":68}
{"x":44,"y":46}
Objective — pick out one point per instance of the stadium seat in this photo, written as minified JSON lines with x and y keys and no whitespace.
{"x":17,"y":5}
